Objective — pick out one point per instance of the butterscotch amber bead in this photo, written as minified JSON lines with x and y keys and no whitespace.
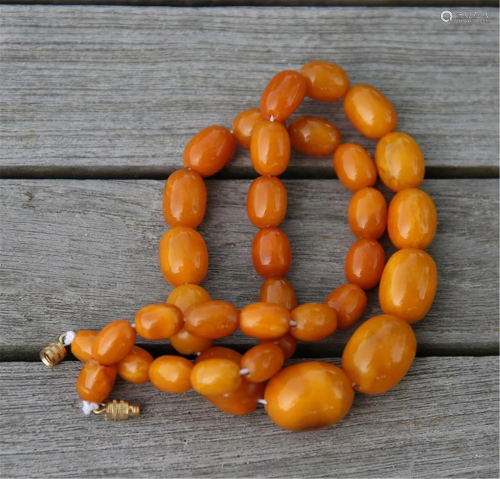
{"x":113,"y":342}
{"x":408,"y":285}
{"x":186,"y":343}
{"x":367,"y":214}
{"x":212,"y":319}
{"x":158,"y":321}
{"x":280,"y":291}
{"x":313,"y":322}
{"x":271,"y":253}
{"x":364,"y":263}
{"x":244,"y":124}
{"x":262,"y":362}
{"x":215,"y":376}
{"x":325,"y":81}
{"x":186,"y":295}
{"x":313,"y":136}
{"x":354,"y":167}
{"x":287,"y":343}
{"x":270,"y":148}
{"x":81,"y":346}
{"x":379,"y":354}
{"x":134,"y":367}
{"x":218,"y":352}
{"x":308,"y":395}
{"x":266,"y":202}
{"x":242,"y":400}
{"x":95,"y":381}
{"x":264,"y":320}
{"x":349,"y":302}
{"x":183,"y":256}
{"x":171,"y":374}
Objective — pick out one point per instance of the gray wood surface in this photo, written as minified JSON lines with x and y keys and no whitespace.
{"x":117,"y":92}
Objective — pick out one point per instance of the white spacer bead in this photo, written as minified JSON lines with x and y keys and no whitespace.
{"x":293,"y":324}
{"x":68,"y":337}
{"x":244,"y":371}
{"x":262,"y":401}
{"x":88,"y":407}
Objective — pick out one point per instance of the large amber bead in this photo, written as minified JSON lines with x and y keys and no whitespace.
{"x":349,"y":302}
{"x":185,"y":342}
{"x":308,"y":395}
{"x":242,"y":400}
{"x":212,"y":319}
{"x":354,"y":167}
{"x":313,"y":322}
{"x":134,"y":367}
{"x":186,"y":295}
{"x":95,"y":381}
{"x":325,"y":81}
{"x":408,"y":285}
{"x":183,"y":256}
{"x":244,"y":124}
{"x":262,"y":362}
{"x":266,"y":202}
{"x":364,"y":263}
{"x":379,"y":354}
{"x":271,"y":253}
{"x":367,"y":214}
{"x":158,"y":321}
{"x":313,"y":136}
{"x":264,"y":320}
{"x":81,"y":346}
{"x":215,"y":376}
{"x":279,"y":291}
{"x":113,"y":342}
{"x":171,"y":374}
{"x":270,"y":148}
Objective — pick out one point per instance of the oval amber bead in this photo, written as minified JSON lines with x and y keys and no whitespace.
{"x":266,"y":202}
{"x":408,"y":285}
{"x":134,"y":367}
{"x":325,"y":81}
{"x":354,"y":167}
{"x":244,"y":124}
{"x":183,"y":256}
{"x":158,"y":321}
{"x":210,"y":150}
{"x":271,"y":253}
{"x":95,"y":381}
{"x":370,"y":112}
{"x":81,"y":346}
{"x":263,"y":362}
{"x":283,"y":95}
{"x":308,"y":395}
{"x":412,"y":219}
{"x":186,"y":295}
{"x":212,"y":319}
{"x":287,"y":343}
{"x":367,"y":214}
{"x":215,"y":376}
{"x":242,"y":400}
{"x":270,"y":148}
{"x":218,"y":352}
{"x":171,"y":374}
{"x":279,"y":291}
{"x":313,"y":136}
{"x":186,"y":343}
{"x":313,"y":322}
{"x":400,"y":162}
{"x":379,"y":354}
{"x":349,"y":302}
{"x":113,"y":342}
{"x":364,"y":263}
{"x":264,"y":320}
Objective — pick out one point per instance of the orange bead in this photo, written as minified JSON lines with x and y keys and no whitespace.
{"x":400,"y":162}
{"x":95,"y":381}
{"x":313,"y":136}
{"x":266,"y":202}
{"x":349,"y":302}
{"x":113,"y":342}
{"x":81,"y":346}
{"x":325,"y":81}
{"x":186,"y":295}
{"x":283,"y":95}
{"x":313,"y":322}
{"x":287,"y":343}
{"x":364,"y":263}
{"x":212,"y":319}
{"x":215,"y":376}
{"x":134,"y":367}
{"x":412,"y":220}
{"x":408,"y":285}
{"x":171,"y":374}
{"x":210,"y":150}
{"x":158,"y":321}
{"x":368,"y":214}
{"x":354,"y":167}
{"x":264,"y":320}
{"x":270,"y":148}
{"x":379,"y":354}
{"x":308,"y":395}
{"x":242,"y":400}
{"x":186,"y":343}
{"x":370,"y":112}
{"x":184,"y":199}
{"x":244,"y":124}
{"x":271,"y":253}
{"x":218,"y":352}
{"x":279,"y":291}
{"x":183,"y":256}
{"x":262,"y":362}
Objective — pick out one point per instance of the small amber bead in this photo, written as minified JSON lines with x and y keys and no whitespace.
{"x":313,"y":136}
{"x":314,"y":322}
{"x":95,"y":381}
{"x":325,"y":81}
{"x":158,"y":321}
{"x":408,"y":285}
{"x":379,"y":354}
{"x":171,"y":374}
{"x":183,"y":256}
{"x":134,"y":367}
{"x":218,"y":352}
{"x":215,"y":376}
{"x":270,"y":148}
{"x":370,"y":112}
{"x":354,"y":167}
{"x":368,"y":214}
{"x":271,"y":253}
{"x":113,"y":342}
{"x":184,"y":199}
{"x":412,"y":219}
{"x":186,"y":343}
{"x":266,"y":202}
{"x":400,"y":162}
{"x":210,"y":150}
{"x":349,"y":302}
{"x":364,"y":263}
{"x":244,"y":124}
{"x":283,"y":95}
{"x":242,"y":400}
{"x":186,"y":295}
{"x":81,"y":346}
{"x":287,"y":343}
{"x":212,"y":319}
{"x":308,"y":395}
{"x":263,"y":362}
{"x":279,"y":291}
{"x":264,"y":320}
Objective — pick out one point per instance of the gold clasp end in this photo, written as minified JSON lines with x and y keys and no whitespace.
{"x":118,"y":410}
{"x":54,"y":353}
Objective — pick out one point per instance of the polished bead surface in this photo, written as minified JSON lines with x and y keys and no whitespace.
{"x":219,"y":352}
{"x":244,"y":124}
{"x":349,"y":302}
{"x":158,"y":321}
{"x":408,"y":284}
{"x":266,"y":202}
{"x":113,"y":342}
{"x":325,"y":81}
{"x":134,"y":367}
{"x":186,"y":295}
{"x":263,"y":362}
{"x":354,"y":167}
{"x":215,"y":376}
{"x":95,"y":381}
{"x":313,"y":136}
{"x":186,"y":343}
{"x":308,"y":395}
{"x":242,"y":400}
{"x":364,"y":263}
{"x":280,"y":291}
{"x":171,"y":374}
{"x":367,"y":214}
{"x":81,"y":346}
{"x":264,"y":320}
{"x":287,"y":343}
{"x":314,"y":322}
{"x":379,"y":354}
{"x":271,"y":253}
{"x":212,"y":319}
{"x":270,"y":148}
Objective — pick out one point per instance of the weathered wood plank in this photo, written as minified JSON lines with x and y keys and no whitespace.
{"x":117,"y":92}
{"x":77,"y":254}
{"x":441,"y":421}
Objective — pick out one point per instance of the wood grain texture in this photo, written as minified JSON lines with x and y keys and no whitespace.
{"x":441,"y":421}
{"x":117,"y":92}
{"x":77,"y":254}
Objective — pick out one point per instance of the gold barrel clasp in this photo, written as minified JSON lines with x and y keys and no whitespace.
{"x":54,"y":353}
{"x":118,"y":410}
